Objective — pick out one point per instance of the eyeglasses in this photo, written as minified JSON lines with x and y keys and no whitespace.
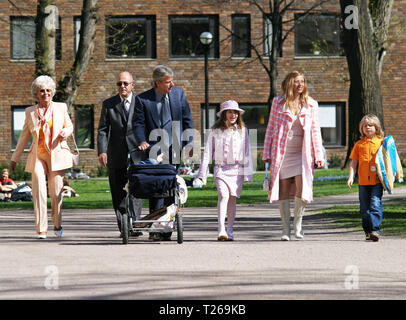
{"x":45,"y":90}
{"x":120,"y":83}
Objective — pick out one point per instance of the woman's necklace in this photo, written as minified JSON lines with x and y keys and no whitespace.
{"x":296,"y":107}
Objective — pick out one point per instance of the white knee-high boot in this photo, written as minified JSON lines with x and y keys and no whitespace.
{"x":284,"y":209}
{"x":298,"y":215}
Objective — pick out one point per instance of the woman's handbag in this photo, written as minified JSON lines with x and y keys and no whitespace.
{"x":75,"y":157}
{"x":265,"y":184}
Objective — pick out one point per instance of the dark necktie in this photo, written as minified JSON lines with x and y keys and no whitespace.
{"x":125,"y":103}
{"x":166,"y":118}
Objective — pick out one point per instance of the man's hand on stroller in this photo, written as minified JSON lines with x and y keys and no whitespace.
{"x":143,"y":146}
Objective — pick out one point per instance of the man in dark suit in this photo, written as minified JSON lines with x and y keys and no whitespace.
{"x":161,"y":121}
{"x":117,"y":145}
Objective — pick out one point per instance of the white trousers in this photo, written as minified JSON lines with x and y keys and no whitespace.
{"x":39,"y":192}
{"x":226,"y":205}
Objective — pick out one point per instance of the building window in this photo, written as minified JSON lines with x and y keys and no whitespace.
{"x":131,"y":37}
{"x":213,"y":109}
{"x":256,"y":117}
{"x":318,"y":35}
{"x":18,"y":119}
{"x":84,"y":129}
{"x":22,"y":37}
{"x":332,"y":123}
{"x":268,"y":32}
{"x":241,"y":35}
{"x":185,"y":36}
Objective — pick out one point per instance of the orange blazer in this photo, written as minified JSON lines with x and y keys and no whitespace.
{"x":61,"y":157}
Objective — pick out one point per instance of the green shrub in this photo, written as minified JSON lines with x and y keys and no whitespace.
{"x":100,"y":171}
{"x":335,"y":161}
{"x":260,"y":163}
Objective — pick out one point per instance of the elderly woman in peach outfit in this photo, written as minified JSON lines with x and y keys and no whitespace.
{"x":49,"y":125}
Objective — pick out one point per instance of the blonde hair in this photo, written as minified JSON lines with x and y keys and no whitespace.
{"x":287,"y":88}
{"x":372,"y":120}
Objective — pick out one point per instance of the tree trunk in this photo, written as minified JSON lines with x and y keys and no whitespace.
{"x":275,"y":50}
{"x":365,"y":90}
{"x":68,"y":86}
{"x":46,"y":22}
{"x":380,"y":11}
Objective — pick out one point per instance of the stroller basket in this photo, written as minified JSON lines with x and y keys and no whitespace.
{"x":151,"y":180}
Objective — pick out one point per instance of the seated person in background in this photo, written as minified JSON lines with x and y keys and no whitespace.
{"x":7,"y":185}
{"x":67,"y":191}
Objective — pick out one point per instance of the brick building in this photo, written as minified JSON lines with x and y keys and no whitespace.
{"x":166,"y":32}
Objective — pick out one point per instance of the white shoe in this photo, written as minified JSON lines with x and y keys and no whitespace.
{"x":230,"y":234}
{"x":285,"y":238}
{"x":42,"y":236}
{"x":58,"y":233}
{"x":299,"y":235}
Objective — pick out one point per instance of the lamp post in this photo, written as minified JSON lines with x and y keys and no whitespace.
{"x":206,"y":39}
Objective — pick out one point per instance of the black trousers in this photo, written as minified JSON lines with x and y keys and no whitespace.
{"x":118,"y":180}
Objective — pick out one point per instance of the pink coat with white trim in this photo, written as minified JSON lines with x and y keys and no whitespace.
{"x":280,"y":123}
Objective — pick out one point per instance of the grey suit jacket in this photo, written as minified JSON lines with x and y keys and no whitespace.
{"x":115,"y":135}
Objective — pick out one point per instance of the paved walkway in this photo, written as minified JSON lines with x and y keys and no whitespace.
{"x":90,"y":262}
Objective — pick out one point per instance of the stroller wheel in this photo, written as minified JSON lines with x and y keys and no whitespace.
{"x":179,"y":227}
{"x":124,"y":228}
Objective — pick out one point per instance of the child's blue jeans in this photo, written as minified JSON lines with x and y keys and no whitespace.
{"x":370,"y":199}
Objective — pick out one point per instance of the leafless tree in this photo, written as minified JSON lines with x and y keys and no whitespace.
{"x":268,"y":48}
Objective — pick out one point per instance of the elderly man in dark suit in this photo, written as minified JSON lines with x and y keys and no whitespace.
{"x":117,"y":145}
{"x":161,"y":121}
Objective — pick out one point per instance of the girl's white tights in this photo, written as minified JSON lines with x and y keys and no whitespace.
{"x":226,"y":205}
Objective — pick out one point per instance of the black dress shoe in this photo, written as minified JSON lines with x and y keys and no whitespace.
{"x":135,"y":233}
{"x":166,"y":236}
{"x":155,"y":236}
{"x":160,"y":236}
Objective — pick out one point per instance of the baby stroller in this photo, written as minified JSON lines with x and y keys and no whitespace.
{"x":155,"y":181}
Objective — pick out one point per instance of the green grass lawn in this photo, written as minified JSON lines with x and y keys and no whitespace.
{"x":394,"y":217}
{"x":95,"y":194}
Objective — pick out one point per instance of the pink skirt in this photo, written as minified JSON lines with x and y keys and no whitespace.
{"x":232,"y":177}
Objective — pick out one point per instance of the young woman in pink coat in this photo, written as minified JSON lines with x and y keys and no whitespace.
{"x":292,"y":145}
{"x":229,"y":146}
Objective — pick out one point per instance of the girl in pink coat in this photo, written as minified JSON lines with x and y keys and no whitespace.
{"x":292,"y":145}
{"x":229,"y":146}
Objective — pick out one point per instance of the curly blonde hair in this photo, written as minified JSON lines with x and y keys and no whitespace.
{"x":371,"y":120}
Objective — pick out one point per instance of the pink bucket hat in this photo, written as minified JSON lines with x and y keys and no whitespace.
{"x":229,"y":105}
